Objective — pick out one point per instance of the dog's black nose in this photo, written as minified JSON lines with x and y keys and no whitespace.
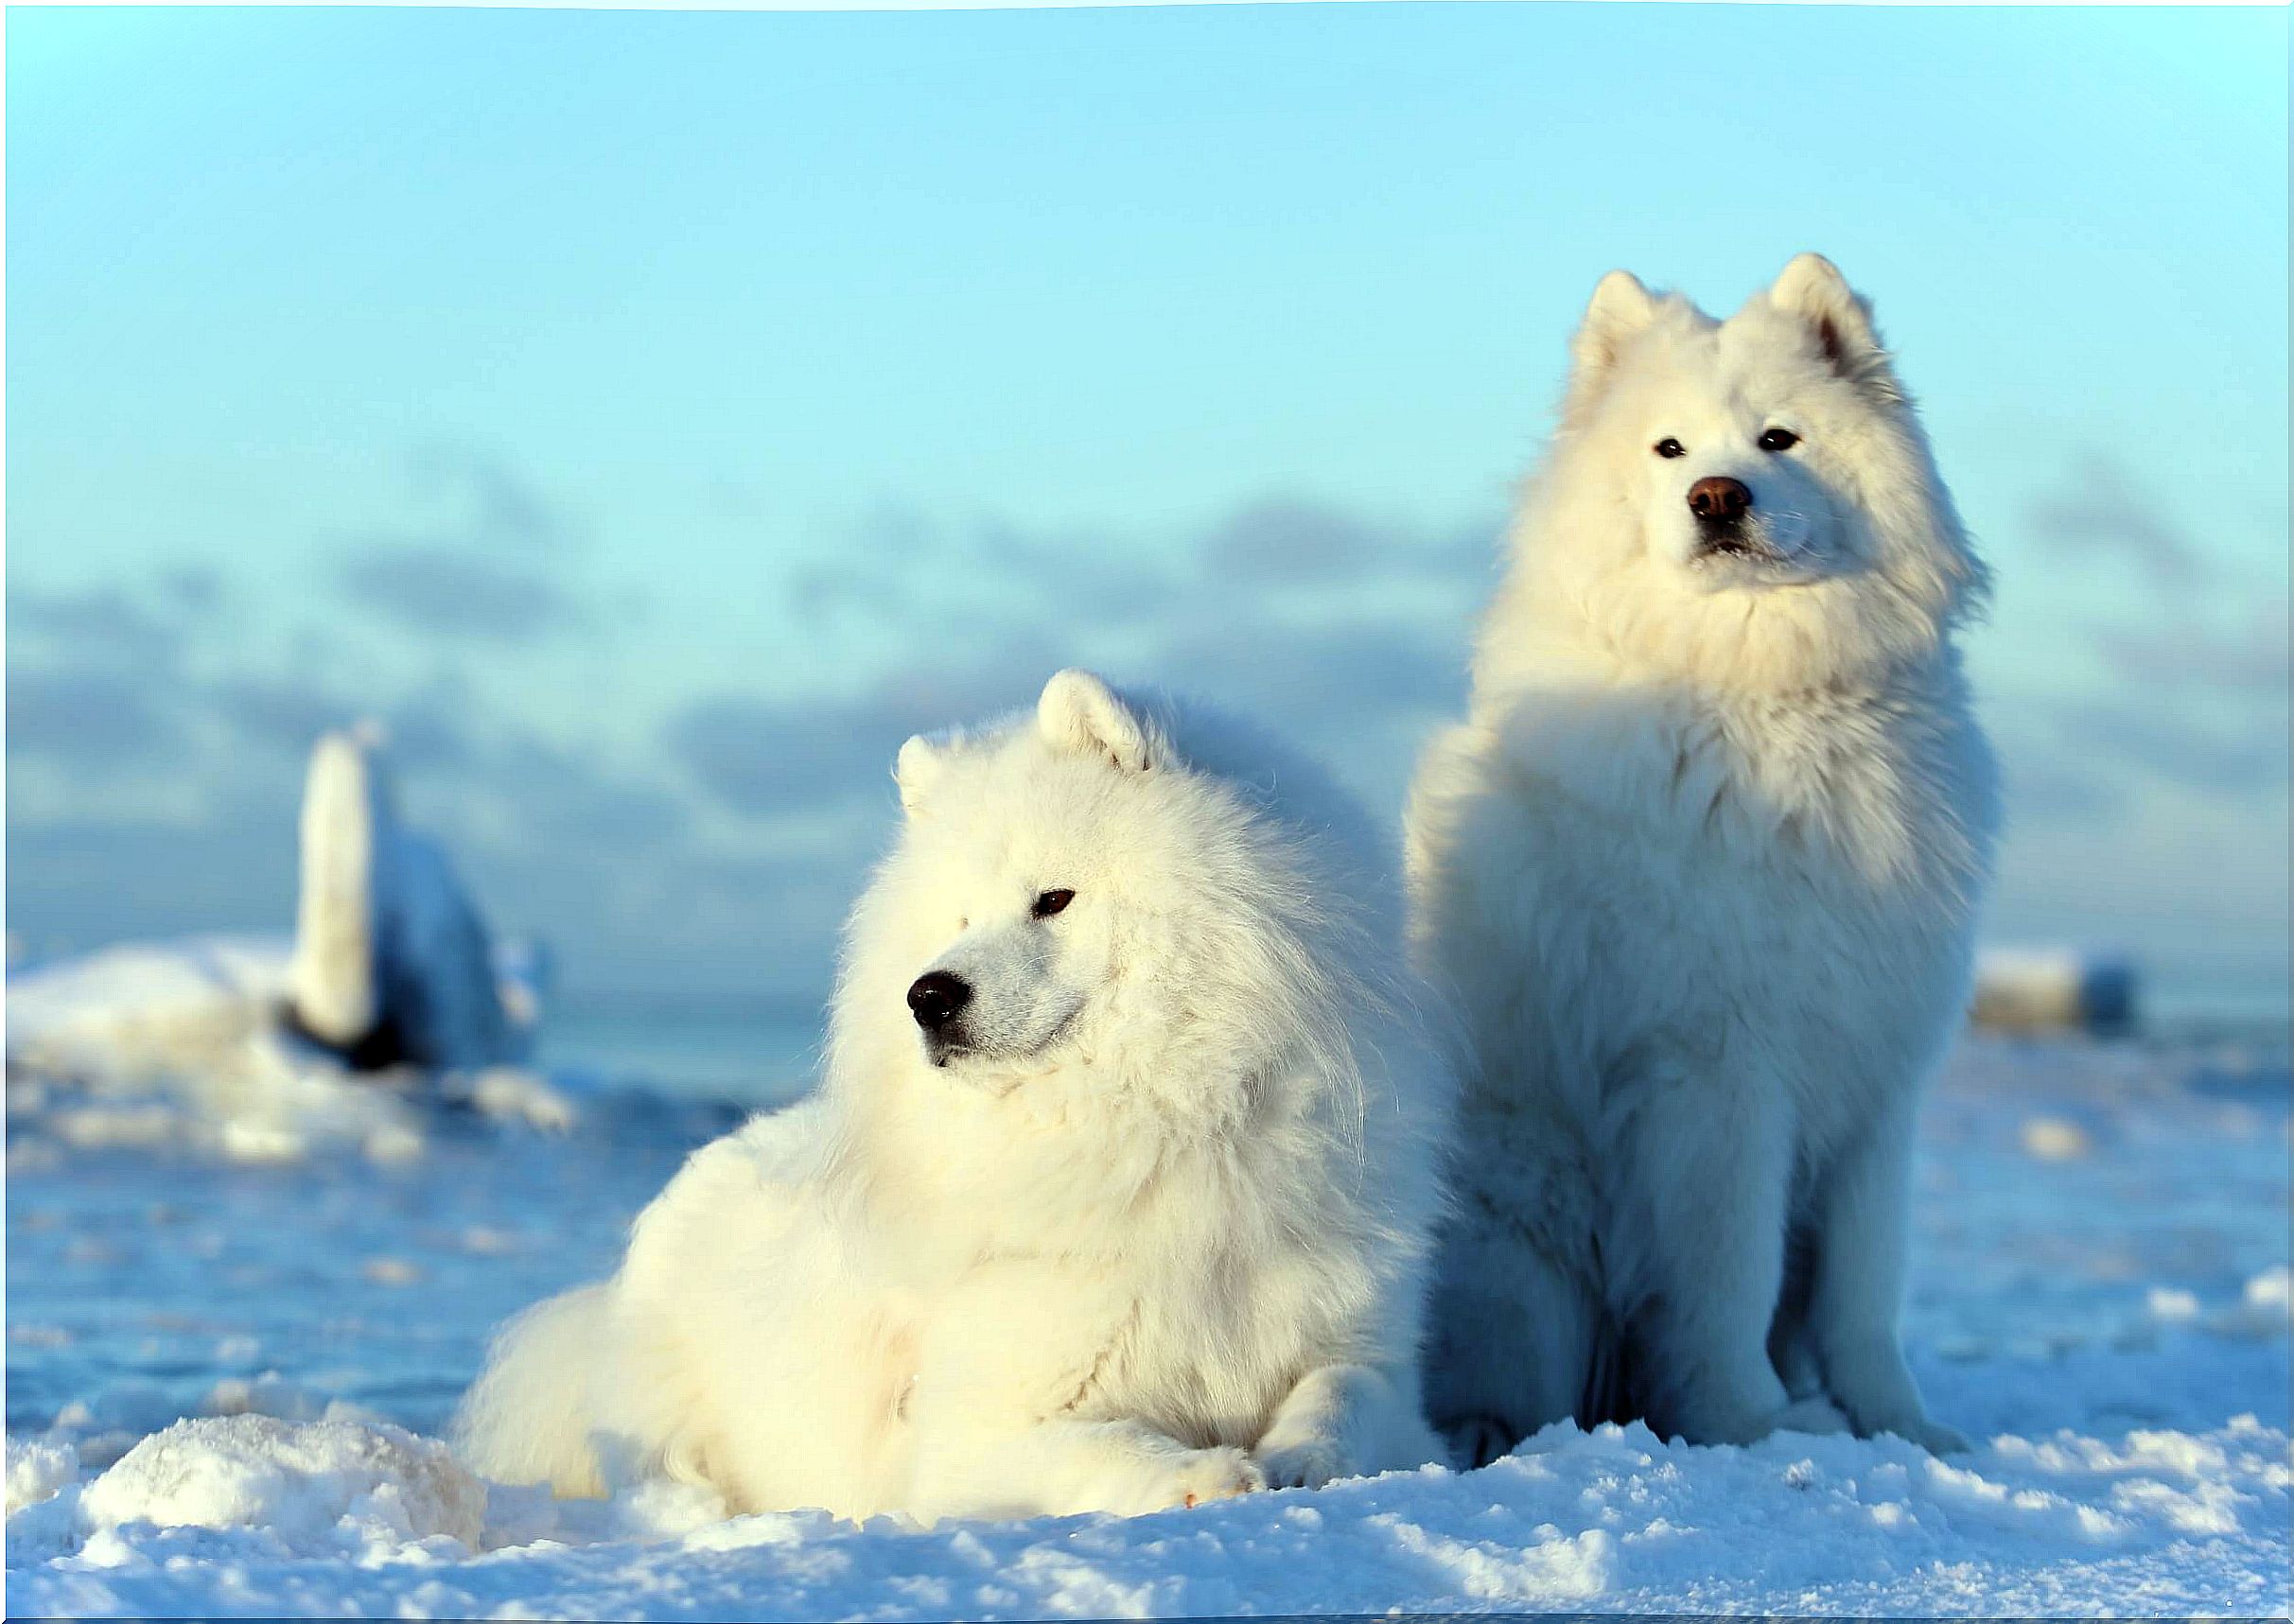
{"x":1719,"y":500}
{"x":937,"y":998}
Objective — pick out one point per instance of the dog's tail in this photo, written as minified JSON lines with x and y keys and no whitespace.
{"x":530,"y":1417}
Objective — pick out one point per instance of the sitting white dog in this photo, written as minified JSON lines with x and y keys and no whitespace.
{"x":1116,"y":1194}
{"x":1703,"y":865}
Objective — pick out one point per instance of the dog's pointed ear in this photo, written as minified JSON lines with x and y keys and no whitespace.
{"x":1079,"y":712}
{"x":1839,"y":320}
{"x":1620,"y":307}
{"x":921,"y":765}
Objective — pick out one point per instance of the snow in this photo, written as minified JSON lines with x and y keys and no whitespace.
{"x":2100,"y":1294}
{"x":314,"y":1485}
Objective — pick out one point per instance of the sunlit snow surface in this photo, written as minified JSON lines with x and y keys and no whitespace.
{"x":2100,"y":1292}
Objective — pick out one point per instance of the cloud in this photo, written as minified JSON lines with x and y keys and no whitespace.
{"x":2247,"y":661}
{"x":1326,"y":676}
{"x":427,"y":730}
{"x":92,"y":679}
{"x":104,"y":877}
{"x":92,"y":720}
{"x":2183,"y":747}
{"x":166,"y":799}
{"x":103,"y":624}
{"x":899,"y":568}
{"x":1286,"y":539}
{"x":2101,"y":513}
{"x":2192,"y":690}
{"x":562,"y":799}
{"x":274,"y":710}
{"x":781,"y":758}
{"x":504,"y":509}
{"x":2048,"y":781}
{"x":1344,"y":688}
{"x":1352,"y":634}
{"x":449,"y":591}
{"x":196,"y":588}
{"x":494,"y":573}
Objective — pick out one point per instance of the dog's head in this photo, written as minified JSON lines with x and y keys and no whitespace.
{"x":1137,"y":893}
{"x":1752,"y":493}
{"x":1066,"y":890}
{"x":1013,"y":881}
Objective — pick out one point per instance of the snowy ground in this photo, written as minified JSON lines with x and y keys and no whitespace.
{"x":2100,"y":1293}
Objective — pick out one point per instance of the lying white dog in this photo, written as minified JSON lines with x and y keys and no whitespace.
{"x":1703,"y":865}
{"x":1117,"y":1193}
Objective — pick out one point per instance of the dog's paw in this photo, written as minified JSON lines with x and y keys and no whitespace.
{"x":1480,"y":1440}
{"x":1306,"y":1464}
{"x":1204,"y":1474}
{"x":1934,"y":1436}
{"x":1816,"y":1415}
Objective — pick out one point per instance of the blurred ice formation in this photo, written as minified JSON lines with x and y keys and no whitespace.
{"x":2055,"y":990}
{"x":392,"y":962}
{"x":254,"y":1046}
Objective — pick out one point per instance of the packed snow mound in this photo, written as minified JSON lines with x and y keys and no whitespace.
{"x":38,"y":1470}
{"x":319,"y":1487}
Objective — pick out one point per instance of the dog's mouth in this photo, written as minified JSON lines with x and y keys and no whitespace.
{"x":1734,"y":543}
{"x":955,"y":1042}
{"x":943,"y":1046}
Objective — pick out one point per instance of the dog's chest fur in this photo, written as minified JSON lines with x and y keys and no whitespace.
{"x":1126,"y":1269}
{"x":1714,"y":871}
{"x":1828,"y":880}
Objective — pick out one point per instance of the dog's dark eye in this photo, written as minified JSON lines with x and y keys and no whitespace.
{"x":1051,"y":903}
{"x":1778,"y":439}
{"x":1671,"y":449}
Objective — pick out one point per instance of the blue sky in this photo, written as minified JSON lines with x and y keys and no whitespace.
{"x":654,"y":417}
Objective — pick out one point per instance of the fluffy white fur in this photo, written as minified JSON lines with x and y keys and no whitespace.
{"x":1702,"y":865}
{"x":1148,"y":1226}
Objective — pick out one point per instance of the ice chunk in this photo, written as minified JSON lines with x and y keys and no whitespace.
{"x":2054,"y":990}
{"x":393,"y":962}
{"x":436,"y":963}
{"x":344,"y":817}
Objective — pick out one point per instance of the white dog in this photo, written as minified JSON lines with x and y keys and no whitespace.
{"x":1118,"y":1191}
{"x":1703,"y":865}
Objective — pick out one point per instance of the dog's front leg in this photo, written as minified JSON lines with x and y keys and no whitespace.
{"x":1857,"y":1289}
{"x":1342,"y":1421}
{"x":1711,"y":1159}
{"x":1064,"y":1466}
